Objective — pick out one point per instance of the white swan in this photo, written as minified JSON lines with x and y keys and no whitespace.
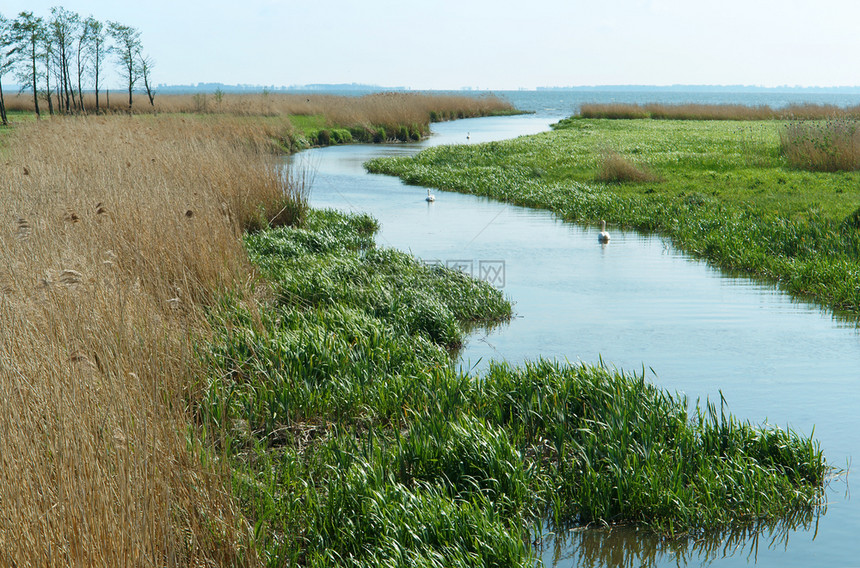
{"x":430,"y":196}
{"x":603,"y":236}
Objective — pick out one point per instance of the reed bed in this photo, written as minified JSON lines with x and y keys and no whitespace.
{"x":370,"y":118}
{"x":377,"y":108}
{"x":691,"y":111}
{"x":829,"y":146}
{"x":118,"y":233}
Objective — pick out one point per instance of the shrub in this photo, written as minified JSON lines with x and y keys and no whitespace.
{"x":323,"y":137}
{"x":360,"y":134}
{"x":341,"y":135}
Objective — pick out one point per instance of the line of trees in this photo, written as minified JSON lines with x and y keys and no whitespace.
{"x":55,"y":58}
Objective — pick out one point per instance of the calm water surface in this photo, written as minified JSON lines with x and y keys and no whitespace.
{"x":638,"y":304}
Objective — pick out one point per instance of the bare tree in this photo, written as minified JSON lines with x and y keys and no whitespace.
{"x":96,"y":48}
{"x":63,"y":27}
{"x":51,"y":67}
{"x":146,"y":65}
{"x":82,"y":58}
{"x":28,"y":32}
{"x":128,"y":47}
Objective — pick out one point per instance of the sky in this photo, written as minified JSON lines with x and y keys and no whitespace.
{"x":488,"y":44}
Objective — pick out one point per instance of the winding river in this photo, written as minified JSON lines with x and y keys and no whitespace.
{"x":637,"y":304}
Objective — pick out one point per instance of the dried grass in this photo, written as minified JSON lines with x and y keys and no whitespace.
{"x":822,"y":146}
{"x":378,"y":109}
{"x":117,"y":232}
{"x":615,"y":168}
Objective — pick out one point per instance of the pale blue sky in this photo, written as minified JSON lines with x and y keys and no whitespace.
{"x":498,"y":44}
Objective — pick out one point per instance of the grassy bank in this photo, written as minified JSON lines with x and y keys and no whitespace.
{"x":355,"y":442}
{"x":722,"y":190}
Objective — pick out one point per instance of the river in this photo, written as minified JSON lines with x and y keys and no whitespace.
{"x":637,"y":304}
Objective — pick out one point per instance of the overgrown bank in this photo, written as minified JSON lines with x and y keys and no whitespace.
{"x":355,"y":442}
{"x":723,"y":190}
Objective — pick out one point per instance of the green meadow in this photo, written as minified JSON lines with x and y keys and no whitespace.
{"x":749,"y":196}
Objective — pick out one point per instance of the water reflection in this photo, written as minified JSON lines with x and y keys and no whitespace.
{"x":630,"y":547}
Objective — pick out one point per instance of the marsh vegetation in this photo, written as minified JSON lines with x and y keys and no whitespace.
{"x":739,"y":193}
{"x":356,"y":442}
{"x":298,"y":121}
{"x":201,"y":370}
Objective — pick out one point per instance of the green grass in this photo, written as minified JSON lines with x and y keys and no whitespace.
{"x":724,"y":191}
{"x":15,"y":117}
{"x":354,"y":441}
{"x":308,"y":122}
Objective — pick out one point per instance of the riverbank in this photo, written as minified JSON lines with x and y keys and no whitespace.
{"x":201,"y":401}
{"x":720,"y":189}
{"x":355,"y":441}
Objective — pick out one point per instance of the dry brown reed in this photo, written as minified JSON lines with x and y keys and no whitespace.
{"x":378,"y":109}
{"x":615,"y":168}
{"x":117,"y":232}
{"x":822,"y":146}
{"x":715,"y":111}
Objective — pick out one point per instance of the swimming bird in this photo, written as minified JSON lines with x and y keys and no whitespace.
{"x":430,"y":196}
{"x":468,"y":135}
{"x":603,"y":236}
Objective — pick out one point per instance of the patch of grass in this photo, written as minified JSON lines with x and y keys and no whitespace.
{"x":727,"y":194}
{"x":354,"y":440}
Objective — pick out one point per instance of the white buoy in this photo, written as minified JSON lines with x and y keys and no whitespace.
{"x":430,"y":196}
{"x":603,"y":236}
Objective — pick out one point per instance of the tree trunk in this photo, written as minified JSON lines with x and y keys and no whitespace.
{"x":64,"y":71}
{"x":3,"y":118}
{"x":48,"y":94}
{"x":80,"y":69}
{"x":97,"y":81}
{"x":35,"y":87}
{"x":148,"y":90}
{"x":81,"y":94}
